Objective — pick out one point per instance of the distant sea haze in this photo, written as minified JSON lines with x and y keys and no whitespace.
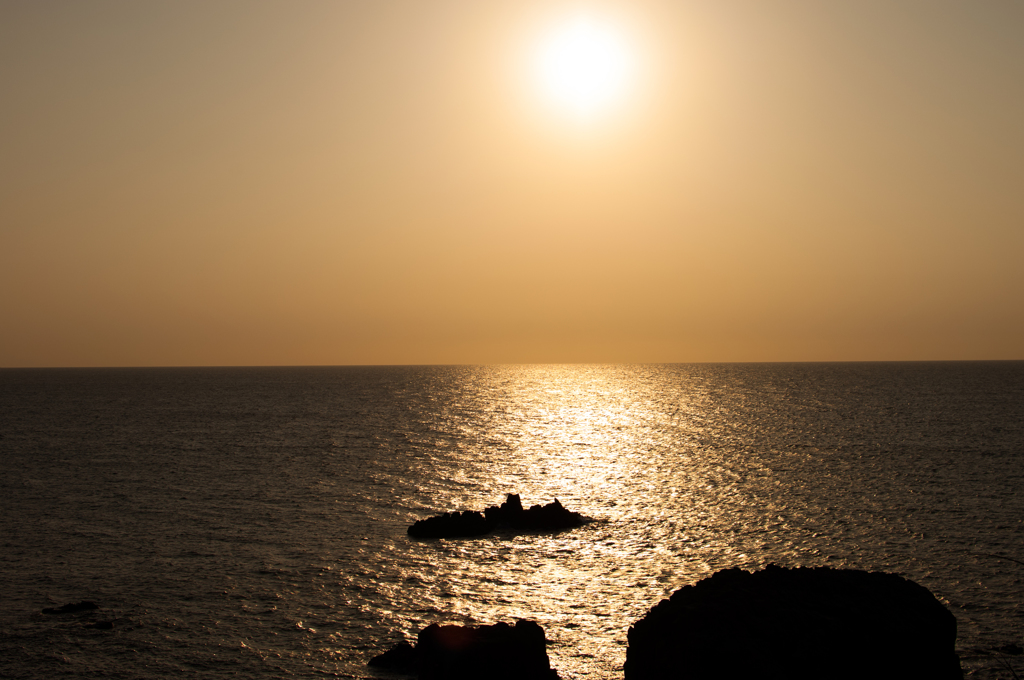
{"x":252,"y":521}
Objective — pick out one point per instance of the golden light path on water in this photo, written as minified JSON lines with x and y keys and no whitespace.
{"x":253,"y":521}
{"x":671,"y":508}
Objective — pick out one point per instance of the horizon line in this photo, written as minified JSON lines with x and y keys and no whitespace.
{"x":523,"y":363}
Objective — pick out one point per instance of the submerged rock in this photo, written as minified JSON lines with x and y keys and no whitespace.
{"x":498,"y":652}
{"x":510,"y":514}
{"x":72,"y":608}
{"x":796,"y":623}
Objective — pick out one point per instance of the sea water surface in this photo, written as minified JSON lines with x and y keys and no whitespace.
{"x":252,"y":521}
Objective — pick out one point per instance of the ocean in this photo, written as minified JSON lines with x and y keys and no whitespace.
{"x":251,"y":522}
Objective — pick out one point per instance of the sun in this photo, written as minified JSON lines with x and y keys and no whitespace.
{"x":584,"y":66}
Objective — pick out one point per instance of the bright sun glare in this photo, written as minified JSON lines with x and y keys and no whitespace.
{"x":584,"y":66}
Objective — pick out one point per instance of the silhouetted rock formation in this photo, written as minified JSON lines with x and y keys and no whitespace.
{"x":498,"y":652}
{"x":508,"y":511}
{"x":72,"y":608}
{"x":510,"y":514}
{"x":796,"y":623}
{"x":451,"y":525}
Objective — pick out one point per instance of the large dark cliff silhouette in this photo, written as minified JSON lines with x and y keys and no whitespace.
{"x":800,"y":624}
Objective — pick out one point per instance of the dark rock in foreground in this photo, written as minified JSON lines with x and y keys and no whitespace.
{"x":510,"y":514}
{"x":796,"y":623}
{"x":72,"y":608}
{"x":498,"y":652}
{"x":401,"y":658}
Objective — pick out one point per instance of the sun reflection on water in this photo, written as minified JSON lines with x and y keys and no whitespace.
{"x":595,"y":440}
{"x":263,"y":512}
{"x":688,"y":470}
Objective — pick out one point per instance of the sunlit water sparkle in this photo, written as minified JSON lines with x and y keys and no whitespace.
{"x":252,"y":521}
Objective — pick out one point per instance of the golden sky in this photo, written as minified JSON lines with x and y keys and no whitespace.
{"x":389,"y":182}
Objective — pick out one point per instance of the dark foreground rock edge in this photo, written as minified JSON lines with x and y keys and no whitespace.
{"x":498,"y":652}
{"x":508,"y":515}
{"x":800,"y":623}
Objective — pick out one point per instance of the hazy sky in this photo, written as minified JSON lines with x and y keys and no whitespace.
{"x":385,"y":182}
